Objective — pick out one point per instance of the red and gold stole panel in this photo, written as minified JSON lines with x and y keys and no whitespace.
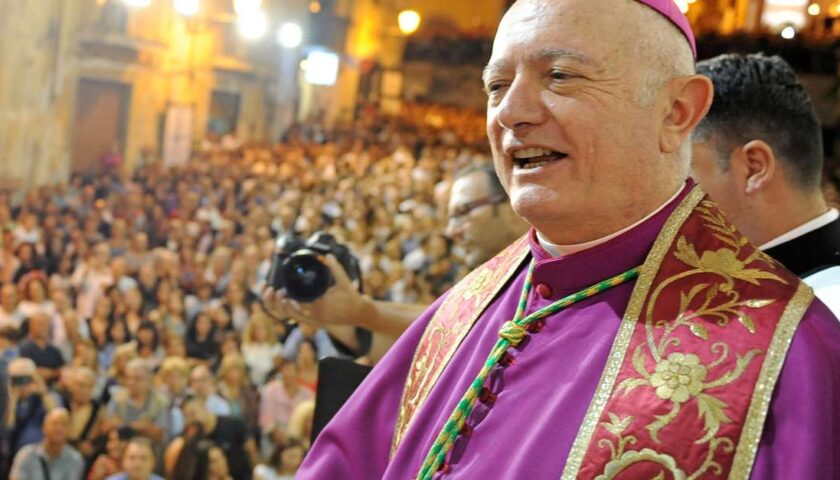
{"x":450,"y":324}
{"x":688,"y":382}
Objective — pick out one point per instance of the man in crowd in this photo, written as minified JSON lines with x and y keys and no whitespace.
{"x":481,"y":223}
{"x":85,"y":411}
{"x":229,"y":433}
{"x":203,"y":387}
{"x":53,"y":458}
{"x":759,"y":155}
{"x":138,"y":405}
{"x":36,"y":347}
{"x":29,"y":402}
{"x":591,"y":106}
{"x":138,"y":461}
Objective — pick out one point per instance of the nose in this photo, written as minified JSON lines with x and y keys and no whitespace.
{"x":521,"y":105}
{"x":454,"y":229}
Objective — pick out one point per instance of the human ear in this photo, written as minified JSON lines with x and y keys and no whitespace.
{"x":687,"y":101}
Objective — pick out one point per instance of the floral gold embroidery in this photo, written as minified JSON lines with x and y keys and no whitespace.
{"x":646,"y":455}
{"x":678,"y":377}
{"x":707,"y":331}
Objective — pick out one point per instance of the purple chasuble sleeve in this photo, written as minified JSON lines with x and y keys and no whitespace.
{"x":801,"y":436}
{"x":357,"y":442}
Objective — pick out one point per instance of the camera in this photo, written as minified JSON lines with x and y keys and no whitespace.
{"x":20,"y":380}
{"x":297,"y":268}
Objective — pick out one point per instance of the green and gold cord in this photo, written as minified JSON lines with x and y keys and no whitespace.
{"x":511,"y":334}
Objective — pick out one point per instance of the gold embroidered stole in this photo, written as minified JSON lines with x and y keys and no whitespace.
{"x":687,"y":385}
{"x":450,"y":324}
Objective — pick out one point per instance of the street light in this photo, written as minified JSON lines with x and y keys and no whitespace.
{"x":290,"y":35}
{"x":187,"y":8}
{"x":137,"y":3}
{"x":244,"y":7}
{"x":814,"y":9}
{"x":252,"y":25}
{"x":788,"y":32}
{"x":409,"y":21}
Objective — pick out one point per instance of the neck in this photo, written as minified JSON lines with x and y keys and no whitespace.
{"x":568,"y":249}
{"x":609,"y":220}
{"x":776,"y":218}
{"x":210,"y":424}
{"x":53,"y":449}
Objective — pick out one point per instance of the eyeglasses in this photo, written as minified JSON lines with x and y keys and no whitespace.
{"x":460,"y":212}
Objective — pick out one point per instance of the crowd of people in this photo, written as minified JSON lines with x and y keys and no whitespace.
{"x":130,"y":312}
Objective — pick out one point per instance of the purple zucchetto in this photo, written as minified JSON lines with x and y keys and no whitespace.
{"x":669,"y":10}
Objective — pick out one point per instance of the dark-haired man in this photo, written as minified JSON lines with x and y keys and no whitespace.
{"x":759,"y":155}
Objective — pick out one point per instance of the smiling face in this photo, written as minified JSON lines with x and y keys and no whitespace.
{"x":572,"y":119}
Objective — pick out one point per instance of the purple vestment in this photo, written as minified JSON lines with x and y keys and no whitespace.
{"x":543,"y":397}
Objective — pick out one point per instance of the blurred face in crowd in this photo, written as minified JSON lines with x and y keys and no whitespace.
{"x":39,"y":326}
{"x":474,"y":216}
{"x":118,"y":332}
{"x":9,"y":297}
{"x":289,"y":374}
{"x":203,"y":324}
{"x":292,"y":457}
{"x":175,"y":346}
{"x":137,"y":381}
{"x":115,"y":446}
{"x":36,"y":291}
{"x":81,"y":388}
{"x":218,"y":468}
{"x":56,"y":427}
{"x":138,"y":461}
{"x":201,"y":381}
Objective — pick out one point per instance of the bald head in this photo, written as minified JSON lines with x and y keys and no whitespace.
{"x":56,"y":427}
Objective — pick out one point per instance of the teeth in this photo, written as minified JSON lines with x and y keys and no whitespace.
{"x":531,"y":153}
{"x":529,"y":166}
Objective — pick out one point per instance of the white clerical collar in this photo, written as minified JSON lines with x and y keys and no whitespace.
{"x":563,"y":250}
{"x":831,"y":215}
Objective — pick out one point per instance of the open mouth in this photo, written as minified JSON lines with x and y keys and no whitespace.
{"x":531,"y":158}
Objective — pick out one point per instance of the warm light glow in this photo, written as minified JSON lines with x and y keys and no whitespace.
{"x":409,"y":21}
{"x":814,"y":9}
{"x":290,"y":35}
{"x":682,"y":5}
{"x":788,"y":32}
{"x":137,"y":3}
{"x":244,"y":7}
{"x":252,"y":26}
{"x":315,"y":6}
{"x":187,"y":8}
{"x":778,"y":14}
{"x":321,"y":68}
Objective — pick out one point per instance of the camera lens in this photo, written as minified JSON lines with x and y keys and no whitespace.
{"x":305,"y":277}
{"x":20,"y":380}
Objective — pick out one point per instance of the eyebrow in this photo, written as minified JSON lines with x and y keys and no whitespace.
{"x":546,"y":54}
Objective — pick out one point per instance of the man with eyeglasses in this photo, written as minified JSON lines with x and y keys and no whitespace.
{"x":481,"y":221}
{"x":481,"y":224}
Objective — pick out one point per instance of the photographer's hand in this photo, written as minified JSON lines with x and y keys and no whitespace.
{"x":342,"y":304}
{"x":343,"y":307}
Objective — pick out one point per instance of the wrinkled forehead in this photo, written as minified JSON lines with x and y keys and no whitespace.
{"x":591,"y":29}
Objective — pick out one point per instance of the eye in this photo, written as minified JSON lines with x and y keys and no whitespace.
{"x":559,"y":75}
{"x":493,"y":87}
